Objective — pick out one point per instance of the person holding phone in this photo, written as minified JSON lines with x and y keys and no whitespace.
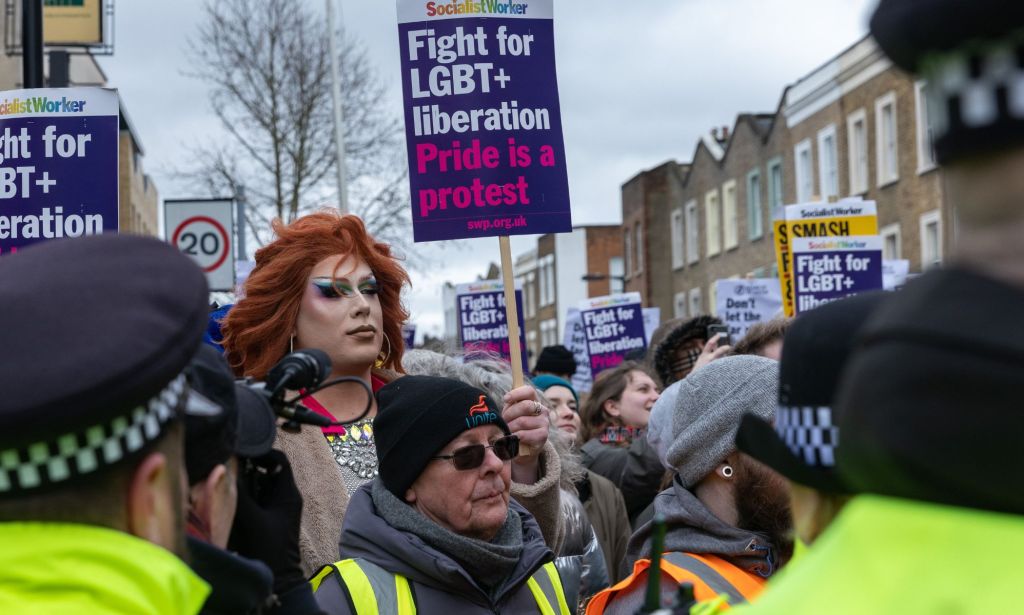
{"x":694,"y":343}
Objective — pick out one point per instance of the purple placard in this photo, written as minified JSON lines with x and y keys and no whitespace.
{"x":482,"y":120}
{"x":483,"y":328}
{"x":614,"y":327}
{"x":830,"y":268}
{"x":58,"y":164}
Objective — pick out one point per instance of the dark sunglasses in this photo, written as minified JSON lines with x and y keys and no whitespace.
{"x":472,"y":456}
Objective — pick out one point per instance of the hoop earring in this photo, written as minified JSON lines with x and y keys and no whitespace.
{"x":380,"y":362}
{"x":727,"y":471}
{"x":291,"y":344}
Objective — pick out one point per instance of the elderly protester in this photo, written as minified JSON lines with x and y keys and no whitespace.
{"x":436,"y":531}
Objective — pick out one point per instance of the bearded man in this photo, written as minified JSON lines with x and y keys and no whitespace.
{"x":727,"y":516}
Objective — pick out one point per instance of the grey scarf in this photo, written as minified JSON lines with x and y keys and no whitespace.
{"x":489,"y":563}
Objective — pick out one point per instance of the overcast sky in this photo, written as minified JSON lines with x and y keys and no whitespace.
{"x":639,"y":83}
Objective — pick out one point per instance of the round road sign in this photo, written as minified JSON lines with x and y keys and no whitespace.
{"x":204,"y":239}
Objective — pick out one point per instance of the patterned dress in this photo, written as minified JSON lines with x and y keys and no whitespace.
{"x":352,"y":446}
{"x":354,"y":450}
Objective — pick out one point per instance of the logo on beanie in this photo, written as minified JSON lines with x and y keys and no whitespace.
{"x":480,"y":414}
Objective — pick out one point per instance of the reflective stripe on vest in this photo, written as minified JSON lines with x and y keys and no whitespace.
{"x":706,"y":572}
{"x":709,"y":575}
{"x":375,"y":591}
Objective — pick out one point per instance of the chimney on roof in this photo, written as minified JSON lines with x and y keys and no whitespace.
{"x":714,"y":134}
{"x":725,"y":133}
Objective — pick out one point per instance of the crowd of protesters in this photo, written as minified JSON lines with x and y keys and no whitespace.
{"x":859,"y":458}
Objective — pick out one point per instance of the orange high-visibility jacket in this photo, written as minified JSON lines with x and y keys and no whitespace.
{"x":710,"y":575}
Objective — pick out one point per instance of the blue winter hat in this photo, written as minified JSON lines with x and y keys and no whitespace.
{"x":546,"y":381}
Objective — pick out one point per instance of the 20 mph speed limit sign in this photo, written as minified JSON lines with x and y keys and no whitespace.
{"x":204,"y":230}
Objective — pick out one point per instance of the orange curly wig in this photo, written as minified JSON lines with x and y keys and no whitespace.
{"x":258,"y":328}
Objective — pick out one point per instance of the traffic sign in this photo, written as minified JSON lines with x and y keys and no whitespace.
{"x":204,"y":230}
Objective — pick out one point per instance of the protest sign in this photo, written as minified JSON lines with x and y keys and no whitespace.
{"x":482,"y":321}
{"x":58,"y":164}
{"x":781,"y":237}
{"x":409,"y":335}
{"x":482,"y":120}
{"x":840,"y":219}
{"x":743,"y":303}
{"x":895,"y":273}
{"x":829,"y":268}
{"x":614,"y":327}
{"x":575,"y":339}
{"x":652,"y":318}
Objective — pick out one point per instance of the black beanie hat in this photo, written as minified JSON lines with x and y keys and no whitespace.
{"x":555,"y":360}
{"x":418,"y":416}
{"x":930,"y":403}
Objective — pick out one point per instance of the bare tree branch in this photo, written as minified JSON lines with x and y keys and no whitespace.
{"x":267,"y":65}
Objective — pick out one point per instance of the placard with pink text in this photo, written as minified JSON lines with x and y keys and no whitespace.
{"x":614,"y":328}
{"x":482,"y":120}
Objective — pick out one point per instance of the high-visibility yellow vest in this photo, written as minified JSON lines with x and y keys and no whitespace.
{"x":375,"y":591}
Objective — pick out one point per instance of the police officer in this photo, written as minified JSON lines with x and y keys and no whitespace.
{"x":929,"y":411}
{"x":96,"y":334}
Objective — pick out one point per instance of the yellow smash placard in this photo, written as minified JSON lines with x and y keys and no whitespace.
{"x":808,"y":220}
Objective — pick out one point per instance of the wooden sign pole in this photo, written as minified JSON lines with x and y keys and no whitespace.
{"x":511,"y":311}
{"x":512,"y":318}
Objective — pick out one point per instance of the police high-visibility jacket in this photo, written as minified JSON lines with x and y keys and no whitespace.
{"x":887,"y":555}
{"x":79,"y":569}
{"x":368,"y":589}
{"x":710,"y":576}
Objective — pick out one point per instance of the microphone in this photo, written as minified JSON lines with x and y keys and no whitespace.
{"x":302,"y":369}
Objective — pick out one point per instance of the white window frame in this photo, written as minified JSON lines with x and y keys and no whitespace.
{"x":627,"y":250}
{"x":859,"y":172}
{"x":755,"y":208}
{"x":892,"y":230}
{"x":934,"y":216}
{"x":532,"y":281}
{"x":804,"y":176}
{"x":696,"y":305}
{"x":678,"y":256}
{"x":730,"y":216}
{"x":552,"y":282}
{"x":692,"y":231}
{"x":923,"y":137}
{"x":616,"y":281}
{"x":886,"y":175}
{"x":774,"y":186}
{"x":713,"y":221}
{"x":712,"y":299}
{"x":639,"y":243}
{"x":828,"y":178}
{"x":679,"y":305}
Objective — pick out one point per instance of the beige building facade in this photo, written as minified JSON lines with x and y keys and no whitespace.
{"x":856,"y":127}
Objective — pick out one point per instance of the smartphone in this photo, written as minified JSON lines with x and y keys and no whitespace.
{"x":725,"y":340}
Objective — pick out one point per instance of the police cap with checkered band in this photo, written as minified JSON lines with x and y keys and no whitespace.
{"x":971,"y":55}
{"x":96,"y":334}
{"x":803,"y":442}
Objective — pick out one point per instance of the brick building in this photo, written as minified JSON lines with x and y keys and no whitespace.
{"x":854,"y":127}
{"x":551,"y":276}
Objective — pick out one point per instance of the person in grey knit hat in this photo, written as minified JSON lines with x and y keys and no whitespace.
{"x":708,"y":409}
{"x":727,"y":516}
